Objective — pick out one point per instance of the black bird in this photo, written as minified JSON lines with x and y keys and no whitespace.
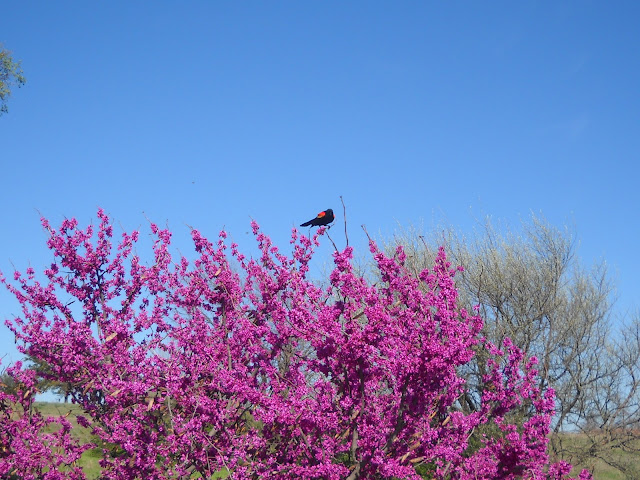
{"x":324,"y":218}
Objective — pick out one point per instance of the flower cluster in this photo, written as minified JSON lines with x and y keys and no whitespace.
{"x":244,"y":365}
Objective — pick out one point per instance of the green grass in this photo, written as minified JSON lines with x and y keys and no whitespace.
{"x":600,"y":469}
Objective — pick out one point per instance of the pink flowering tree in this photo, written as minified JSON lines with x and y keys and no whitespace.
{"x":243,"y":366}
{"x":31,"y":446}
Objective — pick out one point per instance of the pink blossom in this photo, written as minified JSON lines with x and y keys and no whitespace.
{"x":224,"y":362}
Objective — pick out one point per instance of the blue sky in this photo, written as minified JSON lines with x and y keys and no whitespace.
{"x":209,"y":113}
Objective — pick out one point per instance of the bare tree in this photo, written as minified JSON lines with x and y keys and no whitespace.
{"x":531,"y":288}
{"x":609,"y":411}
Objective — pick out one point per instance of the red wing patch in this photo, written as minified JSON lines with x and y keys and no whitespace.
{"x":321,"y":214}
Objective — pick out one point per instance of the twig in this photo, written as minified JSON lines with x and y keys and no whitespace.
{"x":344,"y":213}
{"x":365,"y":231}
{"x":426,"y":247}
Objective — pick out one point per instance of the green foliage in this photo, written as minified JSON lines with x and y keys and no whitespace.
{"x":426,"y":470}
{"x":10,"y":75}
{"x":43,"y":370}
{"x":7,"y":383}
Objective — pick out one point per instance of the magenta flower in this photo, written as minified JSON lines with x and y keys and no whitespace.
{"x":244,"y":365}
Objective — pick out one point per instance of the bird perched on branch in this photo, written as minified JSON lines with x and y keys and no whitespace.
{"x":324,"y":218}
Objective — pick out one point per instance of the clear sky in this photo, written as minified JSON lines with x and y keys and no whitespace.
{"x":211,"y":113}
